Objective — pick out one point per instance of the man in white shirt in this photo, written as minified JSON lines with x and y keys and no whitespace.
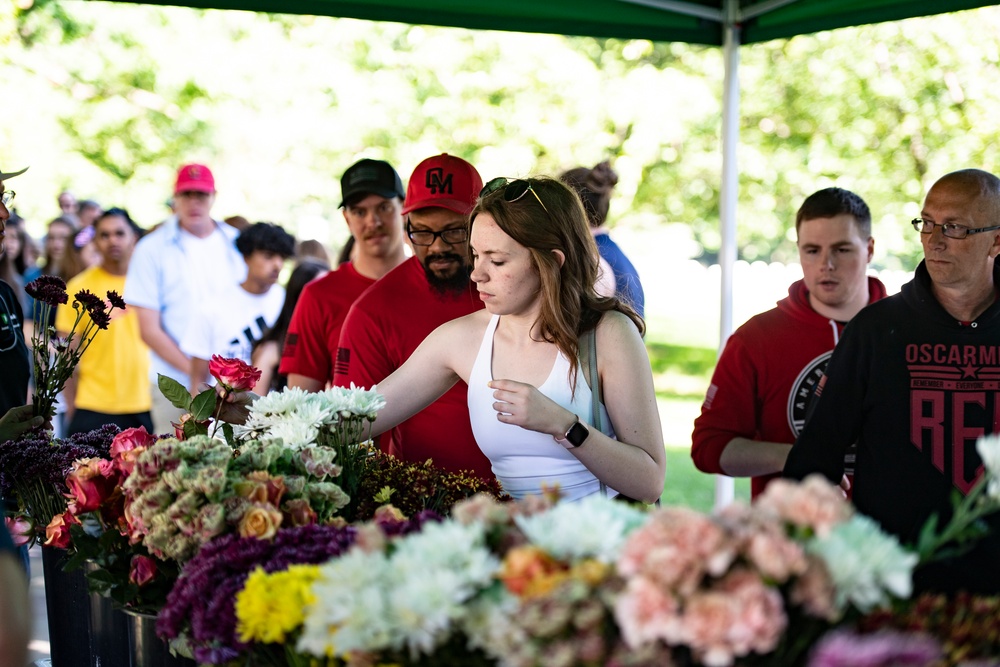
{"x":174,"y":270}
{"x":234,"y":320}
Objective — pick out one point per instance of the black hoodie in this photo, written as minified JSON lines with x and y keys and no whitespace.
{"x":915,"y":389}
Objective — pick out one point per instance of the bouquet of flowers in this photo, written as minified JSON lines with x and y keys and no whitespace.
{"x":413,"y":487}
{"x":33,"y":470}
{"x":273,"y":573}
{"x":183,"y":493}
{"x":56,"y":358}
{"x":98,"y":530}
{"x":597,"y":583}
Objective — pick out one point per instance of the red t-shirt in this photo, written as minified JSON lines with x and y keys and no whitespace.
{"x":384,"y":327}
{"x":315,"y":327}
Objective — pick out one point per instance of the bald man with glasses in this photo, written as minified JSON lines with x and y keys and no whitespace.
{"x":915,"y":381}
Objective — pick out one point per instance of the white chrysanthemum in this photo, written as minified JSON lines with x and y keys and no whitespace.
{"x":293,"y":434}
{"x":365,"y":402}
{"x":312,"y":412}
{"x":988,"y":447}
{"x":279,"y":402}
{"x":350,"y":610}
{"x":865,"y":563}
{"x":411,"y":600}
{"x":594,"y":527}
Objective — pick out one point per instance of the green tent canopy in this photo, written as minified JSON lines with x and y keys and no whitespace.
{"x":694,"y":21}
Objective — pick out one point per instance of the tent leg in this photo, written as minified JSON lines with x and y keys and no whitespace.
{"x":724,"y":486}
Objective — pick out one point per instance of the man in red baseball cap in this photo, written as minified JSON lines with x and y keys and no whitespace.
{"x":387,"y":323}
{"x":175,"y":269}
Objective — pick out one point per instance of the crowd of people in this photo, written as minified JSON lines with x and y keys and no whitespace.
{"x":505,"y":329}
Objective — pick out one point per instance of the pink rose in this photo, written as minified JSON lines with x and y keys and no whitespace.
{"x":90,"y":483}
{"x":233,"y":374}
{"x":57,"y":532}
{"x":21,"y":529}
{"x":127,"y":446}
{"x":141,"y":570}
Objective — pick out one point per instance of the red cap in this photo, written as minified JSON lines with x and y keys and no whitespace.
{"x":195,"y":177}
{"x":444,"y":181}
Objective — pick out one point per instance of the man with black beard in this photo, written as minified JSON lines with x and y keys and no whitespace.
{"x":387,"y":323}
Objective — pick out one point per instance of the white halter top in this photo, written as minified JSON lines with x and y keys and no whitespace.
{"x":524,"y":460}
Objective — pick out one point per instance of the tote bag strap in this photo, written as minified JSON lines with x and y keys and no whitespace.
{"x":588,"y":362}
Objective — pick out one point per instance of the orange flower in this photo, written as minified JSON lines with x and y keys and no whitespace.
{"x":528,"y":571}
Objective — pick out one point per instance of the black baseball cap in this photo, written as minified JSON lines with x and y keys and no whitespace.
{"x":367,"y":177}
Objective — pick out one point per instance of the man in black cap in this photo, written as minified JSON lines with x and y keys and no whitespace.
{"x":373,"y":203}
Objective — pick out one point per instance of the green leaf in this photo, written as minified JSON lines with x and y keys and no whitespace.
{"x":174,"y":392}
{"x":227,"y":431}
{"x":203,"y":405}
{"x":193,"y":428}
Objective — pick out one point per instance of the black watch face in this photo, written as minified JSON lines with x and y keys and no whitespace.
{"x":577,"y":434}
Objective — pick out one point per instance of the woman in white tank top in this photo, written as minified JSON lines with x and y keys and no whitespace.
{"x":535,"y":266}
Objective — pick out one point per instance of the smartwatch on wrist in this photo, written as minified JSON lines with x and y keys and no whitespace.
{"x":575,"y":436}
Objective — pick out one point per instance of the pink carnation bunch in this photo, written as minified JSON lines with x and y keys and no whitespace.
{"x":718,"y":584}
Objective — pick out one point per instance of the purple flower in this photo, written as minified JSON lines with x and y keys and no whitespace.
{"x":881,"y":649}
{"x":48,"y":289}
{"x":116,"y":300}
{"x":88,"y":300}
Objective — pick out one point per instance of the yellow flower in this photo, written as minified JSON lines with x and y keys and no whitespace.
{"x":384,"y":494}
{"x":270,"y":606}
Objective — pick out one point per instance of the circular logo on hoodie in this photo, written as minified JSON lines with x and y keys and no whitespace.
{"x":803,"y":391}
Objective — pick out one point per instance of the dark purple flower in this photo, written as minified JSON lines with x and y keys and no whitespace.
{"x":101,"y":318}
{"x":116,"y":300}
{"x":88,"y":300}
{"x":48,"y":289}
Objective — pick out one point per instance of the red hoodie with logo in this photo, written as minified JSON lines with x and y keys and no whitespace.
{"x":765,"y":378}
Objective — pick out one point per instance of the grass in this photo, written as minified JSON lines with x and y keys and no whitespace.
{"x":688,"y":486}
{"x":680,"y":376}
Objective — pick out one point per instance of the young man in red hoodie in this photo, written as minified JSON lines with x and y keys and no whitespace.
{"x":756,"y":404}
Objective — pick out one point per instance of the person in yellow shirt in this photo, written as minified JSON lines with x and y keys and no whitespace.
{"x":111,"y":383}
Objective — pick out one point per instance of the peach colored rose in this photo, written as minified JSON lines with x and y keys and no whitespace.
{"x":233,"y":374}
{"x":141,"y":570}
{"x":57,"y":532}
{"x":262,"y":521}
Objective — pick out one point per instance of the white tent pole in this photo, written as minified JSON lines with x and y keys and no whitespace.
{"x":724,"y":486}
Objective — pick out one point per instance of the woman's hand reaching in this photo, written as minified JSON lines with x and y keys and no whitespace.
{"x":523,"y":405}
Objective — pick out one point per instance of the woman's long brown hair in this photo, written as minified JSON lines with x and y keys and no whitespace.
{"x":570,"y":304}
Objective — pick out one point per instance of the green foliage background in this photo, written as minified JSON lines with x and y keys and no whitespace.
{"x":109,"y":99}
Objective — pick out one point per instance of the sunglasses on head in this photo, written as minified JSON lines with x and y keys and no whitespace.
{"x":512,"y":190}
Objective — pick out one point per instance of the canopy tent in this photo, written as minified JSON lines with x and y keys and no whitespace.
{"x":694,"y":21}
{"x":725,"y":23}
